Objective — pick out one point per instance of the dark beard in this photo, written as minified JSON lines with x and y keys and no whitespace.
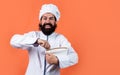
{"x":49,"y":30}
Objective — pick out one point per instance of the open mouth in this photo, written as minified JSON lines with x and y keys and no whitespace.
{"x":47,"y":26}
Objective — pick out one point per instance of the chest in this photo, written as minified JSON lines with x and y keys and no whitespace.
{"x":54,"y":42}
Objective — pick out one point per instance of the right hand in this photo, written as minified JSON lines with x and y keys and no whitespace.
{"x":43,"y":43}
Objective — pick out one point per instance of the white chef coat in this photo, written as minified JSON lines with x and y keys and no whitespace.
{"x":37,"y":52}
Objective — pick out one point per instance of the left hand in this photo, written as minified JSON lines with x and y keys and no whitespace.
{"x":51,"y":59}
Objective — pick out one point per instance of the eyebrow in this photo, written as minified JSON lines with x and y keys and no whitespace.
{"x":49,"y":17}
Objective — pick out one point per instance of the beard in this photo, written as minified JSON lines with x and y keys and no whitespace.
{"x":47,"y":31}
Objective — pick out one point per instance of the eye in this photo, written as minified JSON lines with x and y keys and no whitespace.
{"x":51,"y":18}
{"x":44,"y":18}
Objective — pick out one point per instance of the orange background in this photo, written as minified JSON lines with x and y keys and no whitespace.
{"x":92,"y":26}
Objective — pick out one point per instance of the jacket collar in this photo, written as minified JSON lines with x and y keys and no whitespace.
{"x":45,"y":36}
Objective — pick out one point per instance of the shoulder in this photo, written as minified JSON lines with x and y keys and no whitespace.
{"x":31,"y":33}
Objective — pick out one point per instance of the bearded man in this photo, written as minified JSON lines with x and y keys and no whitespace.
{"x":37,"y":42}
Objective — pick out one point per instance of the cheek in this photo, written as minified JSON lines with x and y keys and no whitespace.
{"x":42,"y":22}
{"x":53,"y":23}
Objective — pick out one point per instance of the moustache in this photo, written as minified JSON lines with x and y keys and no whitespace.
{"x":47,"y":24}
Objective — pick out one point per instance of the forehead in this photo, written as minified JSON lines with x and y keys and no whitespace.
{"x":48,"y":15}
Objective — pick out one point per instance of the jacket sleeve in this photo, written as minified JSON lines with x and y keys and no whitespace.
{"x":24,"y":41}
{"x":71,"y":58}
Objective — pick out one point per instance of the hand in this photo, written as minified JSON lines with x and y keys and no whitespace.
{"x":51,"y":59}
{"x":43,"y":43}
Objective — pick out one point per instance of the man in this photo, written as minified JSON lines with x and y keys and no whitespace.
{"x":37,"y":42}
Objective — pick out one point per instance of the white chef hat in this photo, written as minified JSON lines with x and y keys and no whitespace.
{"x":49,"y":8}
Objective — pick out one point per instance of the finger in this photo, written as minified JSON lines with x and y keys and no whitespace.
{"x":47,"y":46}
{"x":41,"y":42}
{"x":48,"y":54}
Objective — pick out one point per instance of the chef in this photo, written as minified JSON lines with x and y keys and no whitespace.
{"x":37,"y":42}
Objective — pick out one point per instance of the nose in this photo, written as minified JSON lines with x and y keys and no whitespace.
{"x":48,"y":20}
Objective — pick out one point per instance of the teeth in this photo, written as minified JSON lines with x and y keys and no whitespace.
{"x":47,"y":26}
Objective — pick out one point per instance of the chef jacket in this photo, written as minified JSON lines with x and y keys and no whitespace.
{"x":37,"y":53}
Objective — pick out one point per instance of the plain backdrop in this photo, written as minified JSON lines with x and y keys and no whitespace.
{"x":92,"y":27}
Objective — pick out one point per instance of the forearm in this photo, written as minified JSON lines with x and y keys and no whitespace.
{"x":21,"y":41}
